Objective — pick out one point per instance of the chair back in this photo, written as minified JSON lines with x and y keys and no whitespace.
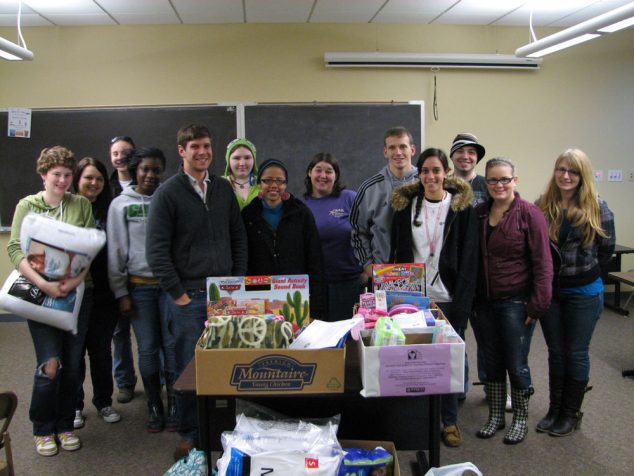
{"x":8,"y":404}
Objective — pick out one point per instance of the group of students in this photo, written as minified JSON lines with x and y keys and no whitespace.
{"x":489,"y":254}
{"x":499,"y":262}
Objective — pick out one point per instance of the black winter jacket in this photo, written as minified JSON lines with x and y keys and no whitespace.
{"x":294,"y":248}
{"x":458,"y":266}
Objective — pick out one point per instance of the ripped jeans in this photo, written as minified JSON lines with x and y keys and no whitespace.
{"x":53,"y":400}
{"x":505,"y":339}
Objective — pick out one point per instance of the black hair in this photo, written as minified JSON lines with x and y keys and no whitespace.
{"x":137,"y":155}
{"x":127,"y":139}
{"x":427,"y":153}
{"x":329,"y":159}
{"x":102,"y":202}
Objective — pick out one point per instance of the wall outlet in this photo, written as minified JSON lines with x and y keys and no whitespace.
{"x":615,"y":175}
{"x":630,"y":176}
{"x":598,"y":175}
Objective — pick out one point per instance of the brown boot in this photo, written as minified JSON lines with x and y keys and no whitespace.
{"x":183,"y":448}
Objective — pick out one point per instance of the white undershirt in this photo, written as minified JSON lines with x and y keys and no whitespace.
{"x":436,"y":290}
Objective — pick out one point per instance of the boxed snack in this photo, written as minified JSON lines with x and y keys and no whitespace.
{"x":399,"y":277}
{"x":287,"y":295}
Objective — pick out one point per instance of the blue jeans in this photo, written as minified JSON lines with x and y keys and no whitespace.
{"x":151,"y":328}
{"x":342,"y":296}
{"x":122,"y":359}
{"x":449,"y":402}
{"x":505,"y":339}
{"x":103,"y":319}
{"x":53,"y":400}
{"x":188,"y":324}
{"x":568,"y":327}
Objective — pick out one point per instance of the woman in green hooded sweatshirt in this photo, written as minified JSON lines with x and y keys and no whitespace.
{"x":242,"y":170}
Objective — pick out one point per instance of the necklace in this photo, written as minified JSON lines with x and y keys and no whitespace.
{"x":240,"y":185}
{"x":432,"y":237}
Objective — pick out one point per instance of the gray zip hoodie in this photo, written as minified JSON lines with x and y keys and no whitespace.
{"x":127,"y":219}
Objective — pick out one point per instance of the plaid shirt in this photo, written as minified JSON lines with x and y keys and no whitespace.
{"x":577,"y":266}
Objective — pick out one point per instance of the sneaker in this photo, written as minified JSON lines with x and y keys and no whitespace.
{"x":45,"y":445}
{"x":79,"y":421}
{"x":109,"y":415}
{"x":69,"y":441}
{"x":125,"y":395}
{"x":509,"y":403}
{"x":451,"y":436}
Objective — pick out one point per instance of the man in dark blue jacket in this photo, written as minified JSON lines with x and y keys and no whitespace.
{"x":194,"y":231}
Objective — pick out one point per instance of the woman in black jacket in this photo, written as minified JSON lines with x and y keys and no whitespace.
{"x":282,"y":235}
{"x":435,"y":224}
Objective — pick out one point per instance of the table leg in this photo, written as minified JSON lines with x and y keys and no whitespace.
{"x":203,"y":429}
{"x":434,"y":431}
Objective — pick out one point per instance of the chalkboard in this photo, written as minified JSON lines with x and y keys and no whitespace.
{"x":87,"y":132}
{"x":352,"y":132}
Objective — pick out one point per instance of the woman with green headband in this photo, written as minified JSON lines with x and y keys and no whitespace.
{"x":241,"y":170}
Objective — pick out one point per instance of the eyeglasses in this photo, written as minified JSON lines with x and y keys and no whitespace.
{"x":563,"y":171}
{"x":271,"y":181}
{"x":495,"y":181}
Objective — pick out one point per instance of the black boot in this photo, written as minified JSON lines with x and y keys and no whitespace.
{"x":156,"y":419}
{"x":171,"y":422}
{"x":556,"y":388}
{"x":570,"y":415}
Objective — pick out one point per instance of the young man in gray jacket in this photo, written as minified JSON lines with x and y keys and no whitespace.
{"x":371,"y":214}
{"x":194,"y":231}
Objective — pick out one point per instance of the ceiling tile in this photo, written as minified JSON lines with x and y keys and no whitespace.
{"x":350,"y":11}
{"x":278,"y":11}
{"x":73,"y":7}
{"x":478,"y":12}
{"x":544,"y":13}
{"x":209,"y":11}
{"x":79,"y":20}
{"x":31,"y":19}
{"x":412,"y":11}
{"x":11,"y":6}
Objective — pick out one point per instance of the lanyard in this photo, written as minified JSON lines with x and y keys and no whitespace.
{"x":432,"y":237}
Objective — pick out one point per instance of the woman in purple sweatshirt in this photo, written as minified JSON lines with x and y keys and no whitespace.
{"x":514,"y":290}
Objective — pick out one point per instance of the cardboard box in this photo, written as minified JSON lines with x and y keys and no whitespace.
{"x":416,"y":368}
{"x":269,"y":371}
{"x":370,"y":445}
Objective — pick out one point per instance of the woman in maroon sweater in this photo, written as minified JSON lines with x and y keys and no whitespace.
{"x":514,"y":290}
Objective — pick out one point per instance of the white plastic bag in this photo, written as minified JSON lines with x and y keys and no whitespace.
{"x":459,"y":469}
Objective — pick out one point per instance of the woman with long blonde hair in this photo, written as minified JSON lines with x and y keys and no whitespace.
{"x":581,"y":232}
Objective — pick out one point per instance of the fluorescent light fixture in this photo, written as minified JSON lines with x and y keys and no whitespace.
{"x":12,"y":52}
{"x":609,"y":22}
{"x":428,"y":60}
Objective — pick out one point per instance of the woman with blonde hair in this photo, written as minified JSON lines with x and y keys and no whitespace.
{"x":581,"y":232}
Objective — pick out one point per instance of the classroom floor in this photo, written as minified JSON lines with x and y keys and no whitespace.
{"x":603,"y":446}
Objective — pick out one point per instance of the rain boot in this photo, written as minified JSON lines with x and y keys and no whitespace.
{"x":156,"y":419}
{"x":556,"y":388}
{"x":519,"y":427}
{"x":496,"y":398}
{"x":570,"y":415}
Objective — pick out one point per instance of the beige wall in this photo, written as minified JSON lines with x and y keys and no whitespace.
{"x":581,"y":97}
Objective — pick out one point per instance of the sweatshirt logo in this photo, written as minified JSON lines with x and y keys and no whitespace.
{"x":137,"y":211}
{"x":337,"y":213}
{"x":272,"y":372}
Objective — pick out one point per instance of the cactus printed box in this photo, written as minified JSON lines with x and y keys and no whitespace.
{"x":287,"y":295}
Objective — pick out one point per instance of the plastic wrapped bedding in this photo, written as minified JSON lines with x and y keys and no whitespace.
{"x":57,"y":251}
